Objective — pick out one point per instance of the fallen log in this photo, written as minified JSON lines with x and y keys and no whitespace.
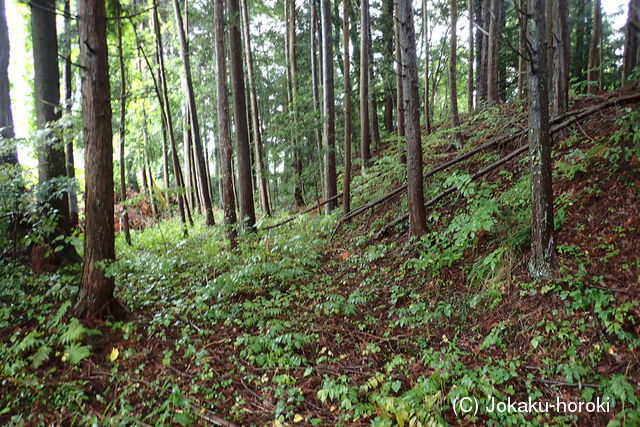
{"x":313,"y":207}
{"x":561,"y":122}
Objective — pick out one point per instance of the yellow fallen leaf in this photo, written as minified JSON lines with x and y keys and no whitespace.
{"x":297,"y":418}
{"x":114,"y":354}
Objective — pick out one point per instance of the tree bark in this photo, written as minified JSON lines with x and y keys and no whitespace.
{"x":493,"y":88}
{"x":228,"y":196}
{"x":328,"y":128}
{"x":560,"y":57}
{"x":542,"y":246}
{"x":482,"y":37}
{"x":51,"y":155}
{"x":121,"y":128}
{"x":255,"y":115}
{"x":245,"y":188}
{"x":453,"y":84}
{"x":315,"y":76}
{"x":292,"y":65}
{"x":470,"y":78}
{"x":549,"y":32}
{"x":195,"y":128}
{"x":95,"y":298}
{"x":373,"y":107}
{"x":399,"y":76}
{"x":631,"y":40}
{"x":522,"y":38}
{"x":409,"y":65}
{"x":365,"y":128}
{"x":387,"y":34}
{"x":167,"y":119}
{"x":68,"y":96}
{"x":594,"y":66}
{"x":427,"y":98}
{"x":6,"y":114}
{"x":346,"y":191}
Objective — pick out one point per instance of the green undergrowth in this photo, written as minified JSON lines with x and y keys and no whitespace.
{"x":294,"y":328}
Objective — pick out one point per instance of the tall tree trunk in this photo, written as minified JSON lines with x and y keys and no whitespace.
{"x":482,"y":37}
{"x":346,"y":191}
{"x":165,"y":106}
{"x":415,"y":193}
{"x":315,"y":79}
{"x":522,"y":39}
{"x":195,"y":128}
{"x":399,"y":76}
{"x":387,"y":35}
{"x":365,"y":128}
{"x":328,"y":129}
{"x":224,"y":137}
{"x":255,"y":115}
{"x":453,"y":85}
{"x":6,"y":114}
{"x":540,"y":148}
{"x":561,"y":57}
{"x":51,"y":156}
{"x":95,"y":298}
{"x":247,"y":209}
{"x":631,"y":40}
{"x":68,"y":96}
{"x":427,"y":98}
{"x":549,"y":32}
{"x":493,"y":86}
{"x":373,"y":107}
{"x":290,"y":39}
{"x":595,"y":50}
{"x":121,"y":128}
{"x":470,"y":79}
{"x":374,"y":132}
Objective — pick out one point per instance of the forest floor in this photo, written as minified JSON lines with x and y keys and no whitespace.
{"x":298,"y":328}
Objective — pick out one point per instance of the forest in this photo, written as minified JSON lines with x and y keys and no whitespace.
{"x":320,"y":212}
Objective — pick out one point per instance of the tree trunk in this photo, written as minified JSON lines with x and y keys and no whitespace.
{"x":522,"y":35}
{"x":470,"y":79}
{"x":373,"y":107}
{"x":399,"y":76}
{"x":493,"y":87}
{"x":121,"y":128}
{"x":165,"y":106}
{"x":68,"y":96}
{"x":561,"y":57}
{"x":427,"y":98}
{"x":549,"y":31}
{"x":328,"y":128}
{"x":51,"y":156}
{"x":482,"y":37}
{"x":346,"y":191}
{"x":6,"y":115}
{"x":387,"y":35}
{"x":415,"y":192}
{"x":595,"y":53}
{"x":195,"y":128}
{"x":540,"y":149}
{"x":453,"y":84}
{"x":224,"y":137}
{"x":631,"y":40}
{"x":290,"y":45}
{"x":365,"y":128}
{"x":255,"y":115}
{"x":315,"y":79}
{"x":245,"y":193}
{"x":95,"y":298}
